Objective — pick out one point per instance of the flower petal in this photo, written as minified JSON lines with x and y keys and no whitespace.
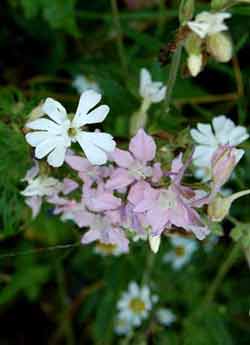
{"x":142,"y":146}
{"x":56,"y":157}
{"x":45,"y":147}
{"x":95,"y":116}
{"x":54,"y":110}
{"x":35,"y":138}
{"x":93,"y":153}
{"x":44,"y":125}
{"x":88,"y":100}
{"x":122,"y":158}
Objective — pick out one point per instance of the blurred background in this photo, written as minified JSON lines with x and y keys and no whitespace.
{"x":54,"y":291}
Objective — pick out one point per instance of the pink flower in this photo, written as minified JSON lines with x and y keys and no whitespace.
{"x":134,"y":165}
{"x":88,"y":172}
{"x":164,"y":208}
{"x":102,"y":229}
{"x":99,"y":199}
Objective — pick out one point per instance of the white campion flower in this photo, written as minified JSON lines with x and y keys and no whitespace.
{"x":38,"y":187}
{"x":165,"y":316}
{"x":81,"y":83}
{"x":53,"y":136}
{"x":206,"y":23}
{"x":181,"y":252}
{"x":135,"y":304}
{"x":151,"y":91}
{"x":208,"y":138}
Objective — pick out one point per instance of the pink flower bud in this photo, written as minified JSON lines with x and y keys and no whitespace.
{"x":224,"y":161}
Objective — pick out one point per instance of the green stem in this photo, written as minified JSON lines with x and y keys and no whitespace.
{"x":161,"y":19}
{"x":174,"y":67}
{"x":148,"y":268}
{"x":223,"y":270}
{"x":119,"y":40}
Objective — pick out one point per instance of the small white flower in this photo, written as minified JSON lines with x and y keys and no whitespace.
{"x":53,"y":136}
{"x":82,"y":83}
{"x":151,"y":91}
{"x":40,"y":185}
{"x":206,"y":23}
{"x":165,"y":316}
{"x":208,"y":138}
{"x":180,"y":255}
{"x":135,"y":304}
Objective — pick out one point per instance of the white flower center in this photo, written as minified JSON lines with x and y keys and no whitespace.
{"x":138,"y":170}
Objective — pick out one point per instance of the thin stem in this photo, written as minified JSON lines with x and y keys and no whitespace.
{"x":161,"y":19}
{"x":148,"y":268}
{"x":175,"y":63}
{"x":223,"y":270}
{"x":119,"y":39}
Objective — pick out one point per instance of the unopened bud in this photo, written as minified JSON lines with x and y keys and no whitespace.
{"x":224,"y":161}
{"x":194,"y":64}
{"x":154,"y":243}
{"x":220,"y":207}
{"x":220,"y":47}
{"x":186,"y":11}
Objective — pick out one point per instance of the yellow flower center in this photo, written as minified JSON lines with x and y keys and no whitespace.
{"x":106,"y":248}
{"x":137,"y":305}
{"x":72,"y":132}
{"x":179,"y":251}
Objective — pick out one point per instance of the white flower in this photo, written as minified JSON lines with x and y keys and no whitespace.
{"x":151,"y":91}
{"x":208,"y":138}
{"x":165,"y":316}
{"x":182,"y":251}
{"x":206,"y":23}
{"x":82,"y":83}
{"x":53,"y":136}
{"x":40,"y":185}
{"x":135,"y":304}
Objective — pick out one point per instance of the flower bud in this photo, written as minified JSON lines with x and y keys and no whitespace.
{"x":224,"y":161}
{"x":219,"y":208}
{"x":186,"y":11}
{"x":220,"y":47}
{"x":154,"y":243}
{"x":194,"y":64}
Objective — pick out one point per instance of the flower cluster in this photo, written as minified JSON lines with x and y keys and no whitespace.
{"x":123,"y":195}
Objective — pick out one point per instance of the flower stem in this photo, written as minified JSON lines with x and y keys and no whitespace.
{"x":174,"y":67}
{"x":223,"y":270}
{"x":119,"y":39}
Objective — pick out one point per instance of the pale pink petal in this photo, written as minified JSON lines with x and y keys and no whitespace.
{"x":35,"y":203}
{"x":122,"y":158}
{"x":69,"y":186}
{"x":136,"y":192}
{"x":77,"y":163}
{"x":143,"y":146}
{"x":119,"y":179}
{"x":157,"y":172}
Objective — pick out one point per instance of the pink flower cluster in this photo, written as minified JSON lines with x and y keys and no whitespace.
{"x":130,"y":197}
